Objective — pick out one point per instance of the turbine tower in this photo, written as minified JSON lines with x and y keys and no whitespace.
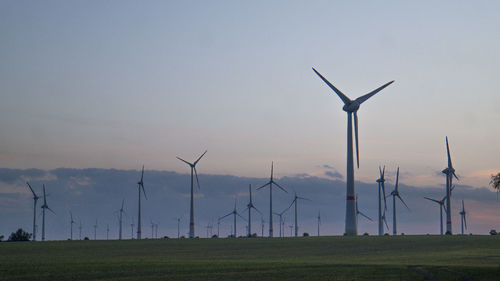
{"x":191,"y":211}
{"x":395,"y":193}
{"x":450,"y":173}
{"x":80,"y":229}
{"x":351,"y":107}
{"x":121,"y":211}
{"x":35,"y":199}
{"x":280,"y":215}
{"x":381,"y":194}
{"x":95,"y":230}
{"x":44,"y":206}
{"x":132,"y":227}
{"x":250,"y":205}
{"x":295,"y":199}
{"x":234,"y":213}
{"x":140,"y":185}
{"x":71,"y":223}
{"x":462,"y":216}
{"x":178,"y":227}
{"x":270,"y":183}
{"x":441,"y":206}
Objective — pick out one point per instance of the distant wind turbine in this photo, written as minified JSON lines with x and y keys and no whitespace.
{"x":463,"y":214}
{"x":35,"y":199}
{"x":270,"y":183}
{"x":178,"y":227}
{"x":44,"y":206}
{"x":319,"y":220}
{"x":132,"y":227}
{"x":95,"y":230}
{"x":381,"y":194}
{"x":71,"y":222}
{"x":450,"y":173}
{"x":234,"y":213}
{"x":395,"y":193}
{"x":121,"y":211}
{"x":280,"y":215}
{"x":140,"y":185}
{"x":191,"y":211}
{"x":80,"y":230}
{"x":262,"y":226}
{"x":441,"y":206}
{"x":107,"y":231}
{"x":250,"y":206}
{"x":351,"y":107}
{"x":295,"y":199}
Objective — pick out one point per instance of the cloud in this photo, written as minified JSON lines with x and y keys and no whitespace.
{"x":326,"y":166}
{"x":334,"y":174}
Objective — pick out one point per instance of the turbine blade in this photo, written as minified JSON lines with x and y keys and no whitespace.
{"x":397,"y":180}
{"x":279,"y":186}
{"x":142,"y":173}
{"x":303,"y":198}
{"x":356,"y":136}
{"x":50,"y":210}
{"x":361,"y":213}
{"x":362,"y":99}
{"x":44,"y":196}
{"x":403,"y":202}
{"x":123,"y":202}
{"x":196,"y":174}
{"x":465,"y":221}
{"x":385,"y":221}
{"x":184,"y":161}
{"x":34,"y":194}
{"x":455,"y":175}
{"x":434,"y":200}
{"x":383,"y":192}
{"x":257,"y":210}
{"x":290,"y":205}
{"x":264,"y":185}
{"x":341,"y":95}
{"x":199,"y":158}
{"x":144,"y":191}
{"x":450,"y":165}
{"x":241,"y":216}
{"x":225,"y":216}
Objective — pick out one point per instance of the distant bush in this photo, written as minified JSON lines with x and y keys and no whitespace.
{"x":305,"y":234}
{"x":1,"y":238}
{"x":86,"y":238}
{"x":366,"y":234}
{"x":448,"y":233}
{"x":19,"y":235}
{"x":493,"y":232}
{"x":402,"y":233}
{"x":183,"y":237}
{"x":386,"y":234}
{"x":215,"y":236}
{"x":166,"y":237}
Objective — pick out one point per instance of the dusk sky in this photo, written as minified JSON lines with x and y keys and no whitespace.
{"x":119,"y":84}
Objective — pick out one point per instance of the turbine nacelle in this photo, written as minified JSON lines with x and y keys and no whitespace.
{"x":351,"y":107}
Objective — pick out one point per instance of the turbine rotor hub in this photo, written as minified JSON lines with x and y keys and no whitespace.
{"x":351,"y":107}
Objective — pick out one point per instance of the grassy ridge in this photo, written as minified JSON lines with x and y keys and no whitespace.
{"x":311,"y":258}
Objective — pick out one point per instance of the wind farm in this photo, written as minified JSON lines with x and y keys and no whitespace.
{"x":380,"y":117}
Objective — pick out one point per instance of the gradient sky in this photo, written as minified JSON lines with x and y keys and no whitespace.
{"x":115,"y":84}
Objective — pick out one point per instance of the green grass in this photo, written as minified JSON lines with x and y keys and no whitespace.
{"x":309,"y":258}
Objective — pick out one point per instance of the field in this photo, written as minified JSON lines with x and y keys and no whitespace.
{"x":305,"y":258}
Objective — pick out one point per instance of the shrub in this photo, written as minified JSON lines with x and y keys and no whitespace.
{"x":86,"y":238}
{"x":305,"y":234}
{"x":493,"y":232}
{"x":366,"y":234}
{"x":19,"y":235}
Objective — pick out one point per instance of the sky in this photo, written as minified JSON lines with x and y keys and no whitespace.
{"x":119,"y":84}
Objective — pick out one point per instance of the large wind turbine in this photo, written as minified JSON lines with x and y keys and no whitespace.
{"x":295,"y":199}
{"x":44,"y":206}
{"x":351,"y":107}
{"x":71,"y":223}
{"x":270,"y":183}
{"x":462,"y":216}
{"x":249,"y":207}
{"x":381,"y":194}
{"x":395,"y":193}
{"x":140,"y":185}
{"x":35,"y":199}
{"x":191,"y":211}
{"x":235,"y":213}
{"x":441,"y":206}
{"x":450,"y":173}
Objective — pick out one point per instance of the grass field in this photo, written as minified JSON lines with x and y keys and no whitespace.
{"x":308,"y":258}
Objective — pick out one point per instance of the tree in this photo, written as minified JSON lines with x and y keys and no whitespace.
{"x":1,"y":238}
{"x":19,"y":235}
{"x":495,"y":182}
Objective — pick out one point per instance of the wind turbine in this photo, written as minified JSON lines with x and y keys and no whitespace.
{"x":218,"y":227}
{"x":44,"y":206}
{"x":270,"y":183}
{"x":152,"y":229}
{"x":249,"y":207}
{"x":381,"y":194}
{"x":295,"y":199}
{"x":35,"y":199}
{"x":351,"y":107}
{"x":441,"y":206}
{"x":80,"y":229}
{"x":95,"y":230}
{"x":132,"y":226}
{"x":358,"y":212}
{"x":71,"y":223}
{"x":121,"y":220}
{"x":450,"y":173}
{"x":234,"y":213}
{"x":319,"y":220}
{"x":140,"y":185}
{"x":262,"y":226}
{"x":280,"y":215}
{"x":191,"y":211}
{"x":395,"y":193}
{"x":178,"y":227}
{"x":107,"y":231}
{"x":462,"y":215}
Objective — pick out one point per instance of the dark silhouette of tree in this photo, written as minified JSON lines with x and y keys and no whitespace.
{"x":1,"y":238}
{"x":495,"y":182}
{"x":19,"y":235}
